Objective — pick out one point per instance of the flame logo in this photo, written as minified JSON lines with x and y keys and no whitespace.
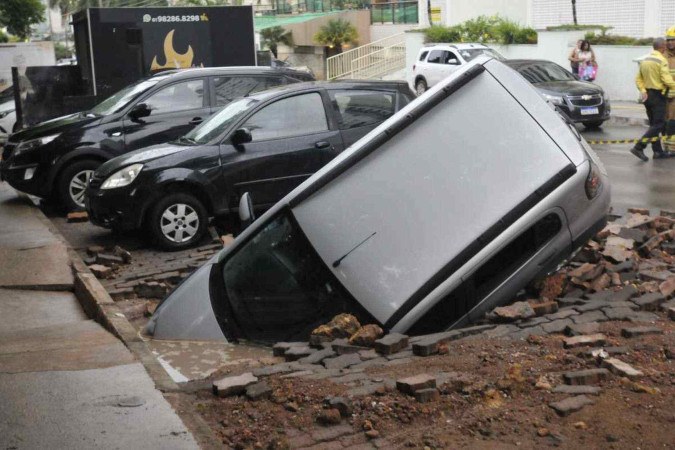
{"x":174,"y":60}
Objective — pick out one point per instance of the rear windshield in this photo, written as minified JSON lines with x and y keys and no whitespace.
{"x":544,"y":72}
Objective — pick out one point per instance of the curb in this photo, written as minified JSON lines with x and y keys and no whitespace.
{"x":624,"y":120}
{"x":98,"y":305}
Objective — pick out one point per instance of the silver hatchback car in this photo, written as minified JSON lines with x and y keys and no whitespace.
{"x":443,"y":212}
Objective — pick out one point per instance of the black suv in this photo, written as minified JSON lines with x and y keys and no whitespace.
{"x":57,"y":157}
{"x":264,"y":144}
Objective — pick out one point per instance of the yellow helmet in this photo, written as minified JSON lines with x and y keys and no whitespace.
{"x":670,"y":34}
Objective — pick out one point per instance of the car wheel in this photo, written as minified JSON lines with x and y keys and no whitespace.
{"x":593,"y":125}
{"x":73,"y":182}
{"x":178,"y":221}
{"x":420,"y":87}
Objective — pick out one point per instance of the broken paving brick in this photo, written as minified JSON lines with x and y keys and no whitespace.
{"x":590,"y":316}
{"x":427,"y":395}
{"x":258,"y":391}
{"x":597,"y":339}
{"x":655,"y":275}
{"x":667,"y":288}
{"x":586,"y":272}
{"x":233,"y":385}
{"x":122,"y":293}
{"x":585,"y":377}
{"x":553,"y":285}
{"x":297,"y":352}
{"x":391,"y":343}
{"x":104,"y":258}
{"x":329,"y":416}
{"x":77,"y":216}
{"x":577,"y":389}
{"x":640,"y":331}
{"x":601,"y":283}
{"x":341,"y":362}
{"x":556,"y":326}
{"x":543,"y":308}
{"x":410,"y":385}
{"x":582,"y":329}
{"x":671,"y":312}
{"x":317,"y":356}
{"x":618,"y":367}
{"x":649,"y":302}
{"x":280,"y":348}
{"x":122,"y":253}
{"x":429,"y":344}
{"x":101,"y":272}
{"x":342,"y":404}
{"x":571,"y":404}
{"x":151,"y":289}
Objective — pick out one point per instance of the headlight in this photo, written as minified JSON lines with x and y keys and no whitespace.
{"x":4,"y":114}
{"x":34,"y":144}
{"x":556,"y":100}
{"x":122,"y":177}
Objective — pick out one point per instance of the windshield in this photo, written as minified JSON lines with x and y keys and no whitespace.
{"x":119,"y":100}
{"x":220,"y":122}
{"x":544,"y":73}
{"x":472,"y":53}
{"x":279,"y":289}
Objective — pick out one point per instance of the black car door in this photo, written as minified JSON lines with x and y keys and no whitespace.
{"x":360,"y":110}
{"x":290,"y":139}
{"x":174,"y":110}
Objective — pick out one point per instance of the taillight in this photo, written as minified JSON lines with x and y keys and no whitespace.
{"x":593,"y":182}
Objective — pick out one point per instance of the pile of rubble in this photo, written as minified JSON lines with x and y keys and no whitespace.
{"x":599,"y":324}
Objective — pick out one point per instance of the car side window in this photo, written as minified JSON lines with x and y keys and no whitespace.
{"x":357,"y":108}
{"x":424,"y":55}
{"x":435,"y":57}
{"x":230,"y":87}
{"x":177,"y":97}
{"x":451,"y":58}
{"x":292,"y":116}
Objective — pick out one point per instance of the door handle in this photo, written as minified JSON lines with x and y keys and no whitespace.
{"x":116,"y":134}
{"x":322,"y":144}
{"x":196,"y":121}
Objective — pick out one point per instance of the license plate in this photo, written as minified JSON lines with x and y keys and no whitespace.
{"x":589,"y":111}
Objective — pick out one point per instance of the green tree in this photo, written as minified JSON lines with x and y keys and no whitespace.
{"x":273,"y":36}
{"x":336,"y":33}
{"x":19,"y":15}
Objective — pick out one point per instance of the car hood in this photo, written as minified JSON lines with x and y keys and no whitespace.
{"x":142,"y":156}
{"x":569,"y":87}
{"x":58,"y":125}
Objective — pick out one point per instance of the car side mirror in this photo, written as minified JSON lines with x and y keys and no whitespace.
{"x":246,"y":213}
{"x":453,"y":62}
{"x":241,"y":136}
{"x":139,"y":110}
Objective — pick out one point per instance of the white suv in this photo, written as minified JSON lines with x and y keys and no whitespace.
{"x":437,"y":61}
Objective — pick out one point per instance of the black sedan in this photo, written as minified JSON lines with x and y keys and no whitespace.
{"x":265,"y":144}
{"x":57,"y":157}
{"x":582,"y":101}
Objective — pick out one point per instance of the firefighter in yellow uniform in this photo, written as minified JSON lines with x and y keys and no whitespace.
{"x":654,"y":82}
{"x":669,"y":142}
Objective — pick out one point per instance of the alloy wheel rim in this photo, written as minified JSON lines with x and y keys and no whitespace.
{"x":78,"y":185}
{"x":179,"y":223}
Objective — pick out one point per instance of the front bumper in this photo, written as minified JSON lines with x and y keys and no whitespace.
{"x":579,"y":113}
{"x":29,"y":178}
{"x":121,"y":208}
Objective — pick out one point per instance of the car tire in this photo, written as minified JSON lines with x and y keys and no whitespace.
{"x":73,"y":182}
{"x":593,"y":125}
{"x":178,"y":221}
{"x":420,"y":87}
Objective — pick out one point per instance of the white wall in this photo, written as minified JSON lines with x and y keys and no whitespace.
{"x":616,"y":68}
{"x":462,"y":10}
{"x":382,"y":31}
{"x":23,"y":54}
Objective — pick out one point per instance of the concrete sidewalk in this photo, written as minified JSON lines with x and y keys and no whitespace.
{"x":628,"y":113}
{"x":65,"y":382}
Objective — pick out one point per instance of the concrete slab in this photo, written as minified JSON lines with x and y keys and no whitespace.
{"x":23,"y":310}
{"x":82,"y":410}
{"x":72,"y":346}
{"x":46,"y":268}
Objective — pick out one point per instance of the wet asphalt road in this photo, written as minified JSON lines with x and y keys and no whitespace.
{"x":634,"y":183}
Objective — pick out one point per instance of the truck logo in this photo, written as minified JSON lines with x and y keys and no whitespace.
{"x":174,"y":60}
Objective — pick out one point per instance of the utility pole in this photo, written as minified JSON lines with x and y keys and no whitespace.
{"x":574,"y":11}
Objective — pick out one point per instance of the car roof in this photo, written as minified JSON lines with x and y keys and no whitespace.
{"x":457,"y":46}
{"x":175,"y":74}
{"x":330,"y":85}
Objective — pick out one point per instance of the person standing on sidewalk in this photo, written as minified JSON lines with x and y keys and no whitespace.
{"x":669,"y":141}
{"x":654,"y":80}
{"x":574,"y":57}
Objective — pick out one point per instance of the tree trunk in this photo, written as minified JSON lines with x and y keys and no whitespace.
{"x":574,"y":11}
